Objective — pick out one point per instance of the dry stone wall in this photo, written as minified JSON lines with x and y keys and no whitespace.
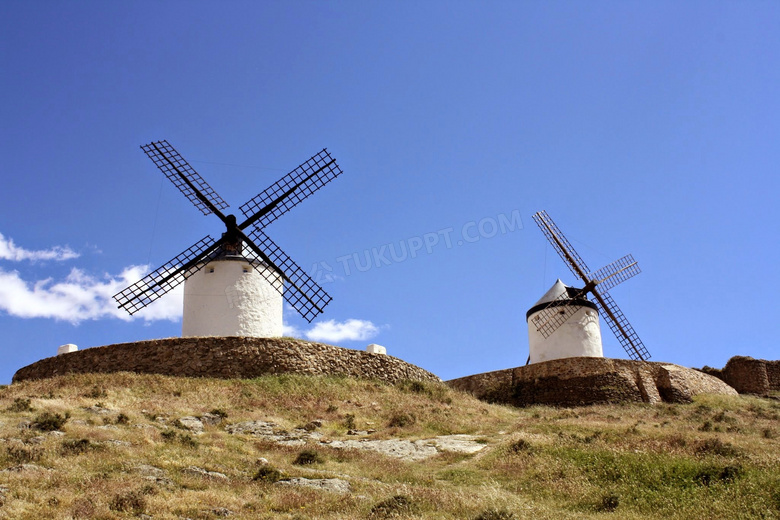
{"x":227,"y":357}
{"x":748,"y":375}
{"x":587,"y":380}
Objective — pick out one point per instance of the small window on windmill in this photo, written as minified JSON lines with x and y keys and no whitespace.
{"x":211,"y":270}
{"x":246,"y":269}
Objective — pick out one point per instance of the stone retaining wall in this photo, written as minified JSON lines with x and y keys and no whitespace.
{"x":227,"y":357}
{"x":587,"y":380}
{"x":748,"y":375}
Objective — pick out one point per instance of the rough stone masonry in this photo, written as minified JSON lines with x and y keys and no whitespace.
{"x":227,"y":357}
{"x":586,"y":380}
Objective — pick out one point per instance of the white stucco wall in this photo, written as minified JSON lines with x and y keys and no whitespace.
{"x":579,"y":336}
{"x":230,"y":298}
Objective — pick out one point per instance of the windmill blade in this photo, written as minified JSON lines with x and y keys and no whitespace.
{"x":165,"y":278}
{"x":620,"y":326}
{"x":615,"y":273}
{"x":300,"y":291}
{"x":290,"y":190}
{"x":555,"y":314}
{"x":561,"y":245}
{"x":184,"y":177}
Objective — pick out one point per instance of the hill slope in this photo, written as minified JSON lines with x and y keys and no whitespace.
{"x":124,"y":445}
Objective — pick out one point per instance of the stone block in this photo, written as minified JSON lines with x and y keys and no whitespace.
{"x":66,"y":349}
{"x":376,"y":349}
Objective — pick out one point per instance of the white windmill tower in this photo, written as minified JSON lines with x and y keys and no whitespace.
{"x":579,"y":335}
{"x":565,"y":312}
{"x":234,"y":286}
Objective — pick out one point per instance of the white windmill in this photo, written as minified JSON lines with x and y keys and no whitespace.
{"x":234,"y":285}
{"x":564,"y":322}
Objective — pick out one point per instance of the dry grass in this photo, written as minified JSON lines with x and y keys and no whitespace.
{"x":715,"y":458}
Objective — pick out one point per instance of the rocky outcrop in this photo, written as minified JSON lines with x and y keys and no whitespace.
{"x":749,"y":376}
{"x":589,"y":380}
{"x":227,"y":357}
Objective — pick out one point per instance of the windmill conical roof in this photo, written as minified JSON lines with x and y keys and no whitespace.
{"x":552,"y":293}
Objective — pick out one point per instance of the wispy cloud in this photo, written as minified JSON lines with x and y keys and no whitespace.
{"x":334,"y":331}
{"x":80,"y":297}
{"x":10,"y":251}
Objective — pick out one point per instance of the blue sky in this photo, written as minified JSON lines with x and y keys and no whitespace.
{"x":648,"y":128}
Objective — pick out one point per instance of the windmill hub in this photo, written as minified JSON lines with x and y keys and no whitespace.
{"x":232,"y":241}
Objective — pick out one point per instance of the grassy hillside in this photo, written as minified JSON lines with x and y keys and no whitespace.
{"x":112,"y":446}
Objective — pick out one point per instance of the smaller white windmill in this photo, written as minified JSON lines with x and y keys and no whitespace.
{"x":570,"y":307}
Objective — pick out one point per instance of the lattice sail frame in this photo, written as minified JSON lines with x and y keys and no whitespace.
{"x":303,"y":293}
{"x":551,"y":317}
{"x":163,"y":279}
{"x":297,"y":185}
{"x":299,"y":289}
{"x":555,"y":314}
{"x":168,"y":160}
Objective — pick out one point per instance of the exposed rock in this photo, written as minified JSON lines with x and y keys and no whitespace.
{"x":271,"y":432}
{"x":200,"y":472}
{"x":252,"y":428}
{"x":149,"y":471}
{"x":397,"y":448}
{"x":115,"y":442}
{"x":211,"y":419}
{"x":313,"y":425}
{"x":585,"y":380}
{"x":458,"y":443}
{"x":160,"y":481}
{"x":154,"y":475}
{"x":190,"y":423}
{"x":329,"y":484}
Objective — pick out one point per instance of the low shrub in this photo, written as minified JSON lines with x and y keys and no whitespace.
{"x":23,"y":454}
{"x":76,"y":446}
{"x":609,"y":503}
{"x":20,"y":405}
{"x":392,"y":507}
{"x":268,"y":474}
{"x":307,"y":457}
{"x":519,"y":446}
{"x":716,"y":447}
{"x":714,"y":474}
{"x":49,"y":422}
{"x":401,"y":420}
{"x":132,"y":502}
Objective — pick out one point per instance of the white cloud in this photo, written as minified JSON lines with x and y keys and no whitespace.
{"x":10,"y":251}
{"x":334,"y":331}
{"x":80,"y":297}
